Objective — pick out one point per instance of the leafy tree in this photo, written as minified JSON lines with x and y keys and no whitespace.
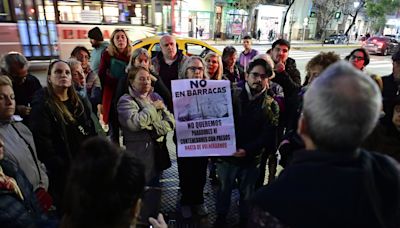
{"x":349,"y":10}
{"x":326,"y":11}
{"x":377,"y":11}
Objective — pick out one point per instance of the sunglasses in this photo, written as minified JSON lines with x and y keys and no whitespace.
{"x":359,"y":58}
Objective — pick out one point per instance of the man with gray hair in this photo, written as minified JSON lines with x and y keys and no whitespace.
{"x":16,"y":66}
{"x":333,"y":183}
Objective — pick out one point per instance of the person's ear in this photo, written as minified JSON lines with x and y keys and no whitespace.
{"x":302,"y":129}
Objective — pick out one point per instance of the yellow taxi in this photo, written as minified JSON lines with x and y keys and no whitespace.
{"x":189,"y":46}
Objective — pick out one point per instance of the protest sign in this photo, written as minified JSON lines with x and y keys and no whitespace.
{"x":204,"y":117}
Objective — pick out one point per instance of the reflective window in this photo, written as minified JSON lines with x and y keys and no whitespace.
{"x":5,"y":14}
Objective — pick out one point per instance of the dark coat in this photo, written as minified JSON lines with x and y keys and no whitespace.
{"x":24,"y":93}
{"x":390,"y":87}
{"x":384,"y":139}
{"x":291,"y":83}
{"x":319,"y":189}
{"x":255,"y":125}
{"x":55,"y":149}
{"x":15,"y":212}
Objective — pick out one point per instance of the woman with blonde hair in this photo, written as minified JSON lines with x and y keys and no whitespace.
{"x":111,"y":70}
{"x":214,"y":65}
{"x":60,"y":122}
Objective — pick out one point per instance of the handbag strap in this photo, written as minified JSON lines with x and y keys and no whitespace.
{"x":30,"y":149}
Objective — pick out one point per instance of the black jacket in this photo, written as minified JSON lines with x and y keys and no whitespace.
{"x":390,"y":87}
{"x":54,"y":146}
{"x":319,"y":189}
{"x":15,"y":212}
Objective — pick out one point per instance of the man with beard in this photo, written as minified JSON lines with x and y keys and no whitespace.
{"x":256,"y":118}
{"x":287,"y":76}
{"x":15,"y":66}
{"x":98,"y":43}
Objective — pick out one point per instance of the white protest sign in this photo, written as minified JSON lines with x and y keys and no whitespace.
{"x":204,"y":117}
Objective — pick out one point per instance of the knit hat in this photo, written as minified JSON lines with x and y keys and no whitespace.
{"x":95,"y":34}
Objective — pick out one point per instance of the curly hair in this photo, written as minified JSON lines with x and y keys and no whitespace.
{"x":323,"y":59}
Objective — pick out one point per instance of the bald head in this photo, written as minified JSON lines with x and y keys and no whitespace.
{"x":341,"y":108}
{"x":168,"y":47}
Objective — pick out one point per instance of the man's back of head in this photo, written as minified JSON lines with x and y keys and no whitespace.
{"x":341,"y":108}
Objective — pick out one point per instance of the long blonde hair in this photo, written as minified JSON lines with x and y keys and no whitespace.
{"x":218,"y":73}
{"x":112,"y":48}
{"x":61,"y":110}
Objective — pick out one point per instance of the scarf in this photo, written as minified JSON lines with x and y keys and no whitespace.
{"x":9,"y":183}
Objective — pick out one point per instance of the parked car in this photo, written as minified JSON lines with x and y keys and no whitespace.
{"x":335,"y":39}
{"x":396,"y":37}
{"x":381,"y":45}
{"x":189,"y":46}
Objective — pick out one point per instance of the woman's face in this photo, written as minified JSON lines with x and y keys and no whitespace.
{"x":358,"y":60}
{"x":195,"y":69}
{"x":83,"y":57}
{"x":60,"y":75}
{"x":78,"y":76}
{"x":396,"y":116}
{"x":142,"y":82}
{"x":212,"y":65}
{"x":142,"y":61}
{"x":120,"y":40}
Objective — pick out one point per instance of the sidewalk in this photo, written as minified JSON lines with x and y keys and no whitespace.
{"x":297,"y":44}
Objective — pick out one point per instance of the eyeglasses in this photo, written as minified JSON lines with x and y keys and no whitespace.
{"x":359,"y":58}
{"x":193,"y":68}
{"x":256,"y":75}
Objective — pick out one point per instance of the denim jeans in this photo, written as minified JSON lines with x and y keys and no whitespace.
{"x":246,"y":177}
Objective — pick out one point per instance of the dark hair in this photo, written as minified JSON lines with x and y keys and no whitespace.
{"x":388,"y":107}
{"x":263,"y":63}
{"x":396,"y":56}
{"x":104,"y":185}
{"x":228,"y":51}
{"x":59,"y":106}
{"x":365,"y":52}
{"x":246,"y":37}
{"x":78,"y":49}
{"x":281,"y":42}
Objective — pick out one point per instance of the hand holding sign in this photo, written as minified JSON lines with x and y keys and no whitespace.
{"x":159,"y":105}
{"x":239,"y":153}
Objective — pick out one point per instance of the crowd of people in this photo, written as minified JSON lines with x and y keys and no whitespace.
{"x":337,"y":136}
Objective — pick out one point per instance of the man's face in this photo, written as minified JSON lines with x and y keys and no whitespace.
{"x":7,"y":102}
{"x":18,"y":74}
{"x":231,"y":60}
{"x":247,"y":44}
{"x":94,"y":43}
{"x":257,"y":79}
{"x":396,"y":69}
{"x":280,"y":53}
{"x":168,"y":47}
